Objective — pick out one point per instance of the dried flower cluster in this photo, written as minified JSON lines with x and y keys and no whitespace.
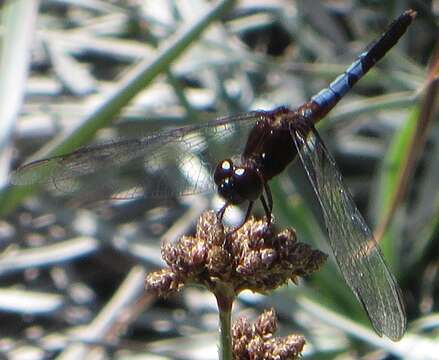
{"x":250,"y":258}
{"x":257,"y":341}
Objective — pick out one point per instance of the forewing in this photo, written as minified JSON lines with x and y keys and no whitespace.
{"x":160,"y":165}
{"x":355,"y":249}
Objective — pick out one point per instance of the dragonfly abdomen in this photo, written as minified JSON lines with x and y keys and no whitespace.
{"x":327,"y":98}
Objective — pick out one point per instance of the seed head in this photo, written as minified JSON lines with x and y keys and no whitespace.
{"x":252,"y":257}
{"x":257,"y":341}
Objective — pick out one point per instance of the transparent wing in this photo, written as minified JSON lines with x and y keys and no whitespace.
{"x":164,"y":164}
{"x":355,"y":249}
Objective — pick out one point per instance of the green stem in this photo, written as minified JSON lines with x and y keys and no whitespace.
{"x":224,"y":298}
{"x":226,"y":334}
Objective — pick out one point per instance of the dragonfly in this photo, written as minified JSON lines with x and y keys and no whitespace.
{"x":275,"y":139}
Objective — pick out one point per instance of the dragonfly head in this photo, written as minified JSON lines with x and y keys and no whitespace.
{"x":237,"y":183}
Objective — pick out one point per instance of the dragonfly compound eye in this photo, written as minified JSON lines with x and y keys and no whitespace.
{"x":247,"y":183}
{"x":237,"y":184}
{"x":227,"y":190}
{"x":223,"y":171}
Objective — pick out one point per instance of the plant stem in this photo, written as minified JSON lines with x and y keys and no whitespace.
{"x":225,"y":333}
{"x":224,"y":298}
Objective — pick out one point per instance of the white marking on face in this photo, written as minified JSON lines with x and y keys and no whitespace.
{"x":226,"y":165}
{"x":239,"y":172}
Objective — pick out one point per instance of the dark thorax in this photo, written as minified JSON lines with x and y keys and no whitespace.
{"x":270,"y":145}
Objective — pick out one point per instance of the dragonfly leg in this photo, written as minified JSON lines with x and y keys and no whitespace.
{"x":266,"y":208}
{"x":248,"y":213}
{"x":269,"y":197}
{"x":247,"y":216}
{"x":220,"y":213}
{"x":267,"y":203}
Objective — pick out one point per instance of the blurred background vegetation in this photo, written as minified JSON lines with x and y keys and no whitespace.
{"x":72,"y":71}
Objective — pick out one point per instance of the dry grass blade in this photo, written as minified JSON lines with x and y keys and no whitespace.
{"x":425,"y":118}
